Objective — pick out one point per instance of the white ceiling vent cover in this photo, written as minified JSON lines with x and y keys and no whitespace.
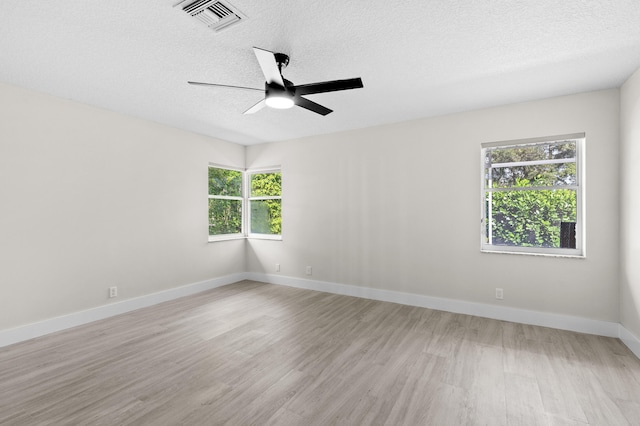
{"x":215,"y":14}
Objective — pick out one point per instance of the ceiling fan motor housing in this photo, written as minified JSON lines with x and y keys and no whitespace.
{"x":277,"y":96}
{"x":277,"y":90}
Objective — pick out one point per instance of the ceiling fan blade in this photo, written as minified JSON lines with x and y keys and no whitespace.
{"x":269,"y":65}
{"x":257,"y":107}
{"x":197,"y":83}
{"x":311,"y":106}
{"x":328,"y":86}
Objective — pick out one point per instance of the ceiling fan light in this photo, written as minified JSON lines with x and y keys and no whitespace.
{"x":279,"y":102}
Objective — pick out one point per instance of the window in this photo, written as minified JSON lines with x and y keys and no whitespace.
{"x":225,"y":202}
{"x":231,"y":190}
{"x":265,"y":203}
{"x":533,"y":196}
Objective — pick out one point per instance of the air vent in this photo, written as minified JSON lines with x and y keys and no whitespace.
{"x":214,"y":14}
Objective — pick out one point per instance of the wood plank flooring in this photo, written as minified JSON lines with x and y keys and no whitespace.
{"x":258,"y":354}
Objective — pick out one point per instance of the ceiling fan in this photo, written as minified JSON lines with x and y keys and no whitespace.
{"x":281,"y":93}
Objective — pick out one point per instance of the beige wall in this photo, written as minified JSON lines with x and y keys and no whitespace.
{"x":630,"y":205}
{"x":396,"y":207}
{"x":92,"y":199}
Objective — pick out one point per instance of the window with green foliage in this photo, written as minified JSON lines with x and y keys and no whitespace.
{"x":230,"y":190}
{"x":532,"y":196}
{"x":225,"y":201}
{"x":265,"y":202}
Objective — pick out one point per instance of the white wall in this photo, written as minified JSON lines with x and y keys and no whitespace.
{"x":92,"y":199}
{"x":630,"y":205}
{"x":396,"y":207}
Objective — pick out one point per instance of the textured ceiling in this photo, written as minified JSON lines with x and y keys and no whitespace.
{"x":417,"y":58}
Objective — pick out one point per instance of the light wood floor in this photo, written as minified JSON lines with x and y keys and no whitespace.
{"x":258,"y":354}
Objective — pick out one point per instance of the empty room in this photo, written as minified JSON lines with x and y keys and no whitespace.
{"x":319,"y":213}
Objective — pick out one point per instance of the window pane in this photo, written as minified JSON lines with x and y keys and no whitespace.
{"x":225,"y":182}
{"x":533,"y":152}
{"x":266,"y":217}
{"x":501,"y":172}
{"x":556,"y":174}
{"x":531,"y":218}
{"x":225,"y":216}
{"x":266,"y":184}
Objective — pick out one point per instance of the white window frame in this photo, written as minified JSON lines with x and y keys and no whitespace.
{"x":249,"y":199}
{"x":579,"y":251}
{"x":246,"y":204}
{"x":242,"y":199}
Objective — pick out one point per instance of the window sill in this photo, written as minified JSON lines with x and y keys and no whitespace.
{"x":216,"y":238}
{"x":265,"y":237}
{"x":527,"y":253}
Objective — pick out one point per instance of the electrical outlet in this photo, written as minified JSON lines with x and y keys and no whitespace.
{"x":499,"y":293}
{"x":277,"y":267}
{"x":113,"y":291}
{"x":308,"y":271}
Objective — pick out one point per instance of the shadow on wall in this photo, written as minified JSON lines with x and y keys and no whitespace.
{"x":630,"y":298}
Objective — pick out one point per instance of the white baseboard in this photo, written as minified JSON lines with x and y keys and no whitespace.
{"x":630,"y":340}
{"x":523,"y":316}
{"x":30,"y":331}
{"x":545,"y":319}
